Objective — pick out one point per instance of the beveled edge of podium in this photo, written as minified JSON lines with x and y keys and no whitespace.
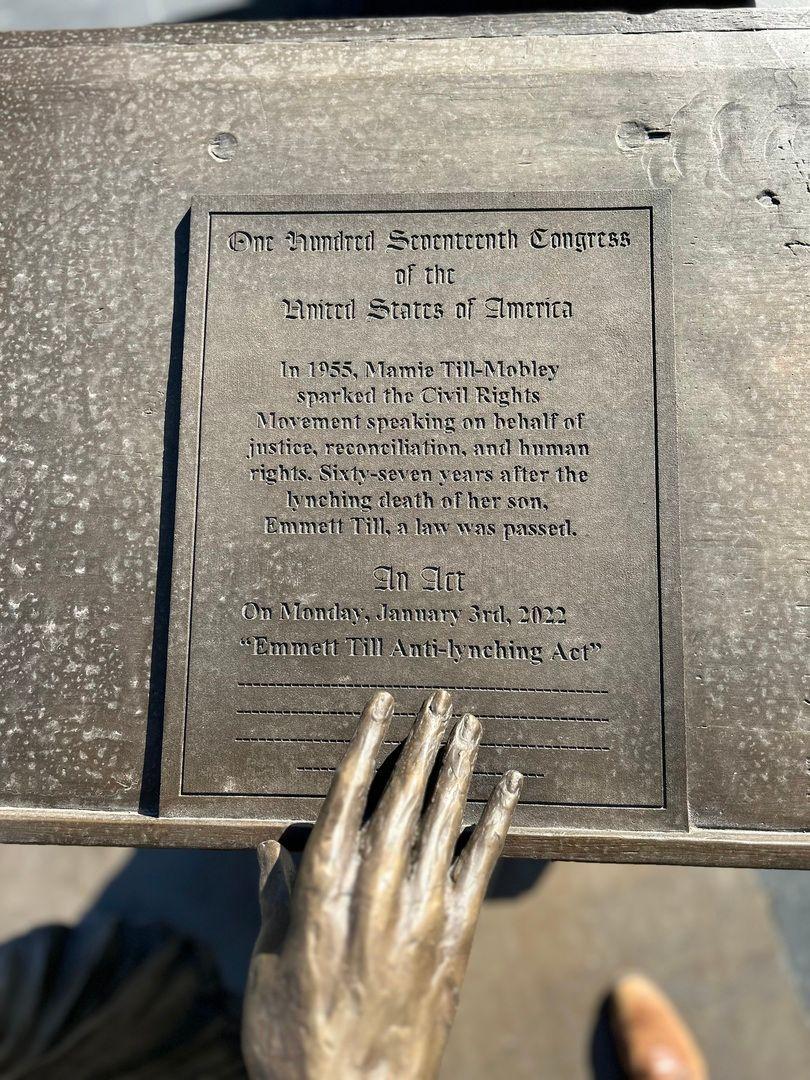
{"x":545,"y":24}
{"x":692,"y":847}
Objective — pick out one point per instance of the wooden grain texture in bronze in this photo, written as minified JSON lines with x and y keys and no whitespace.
{"x":108,"y":138}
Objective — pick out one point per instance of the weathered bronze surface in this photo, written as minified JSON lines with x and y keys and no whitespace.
{"x":428,"y":441}
{"x":359,"y":963}
{"x":107,"y":139}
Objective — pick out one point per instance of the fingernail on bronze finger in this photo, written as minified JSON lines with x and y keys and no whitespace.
{"x":268,"y":852}
{"x":382,"y":705}
{"x":513,"y":782}
{"x":440,"y":703}
{"x":469,"y":730}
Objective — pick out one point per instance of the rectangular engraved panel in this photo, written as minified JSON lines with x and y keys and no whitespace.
{"x":428,"y":441}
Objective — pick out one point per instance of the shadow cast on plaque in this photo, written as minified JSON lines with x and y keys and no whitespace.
{"x":511,"y":877}
{"x":150,"y":773}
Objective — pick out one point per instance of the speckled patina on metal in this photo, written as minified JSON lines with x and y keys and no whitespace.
{"x":343,"y":520}
{"x":106,"y":139}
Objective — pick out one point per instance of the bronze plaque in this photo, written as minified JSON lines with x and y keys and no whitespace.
{"x":429,"y":441}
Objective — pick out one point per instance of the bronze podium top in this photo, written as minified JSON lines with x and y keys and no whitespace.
{"x":226,"y":384}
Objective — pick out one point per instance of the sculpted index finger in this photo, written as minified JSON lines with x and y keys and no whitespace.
{"x":335,"y":834}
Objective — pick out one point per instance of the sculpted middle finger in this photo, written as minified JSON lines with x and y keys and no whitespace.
{"x":388,"y":843}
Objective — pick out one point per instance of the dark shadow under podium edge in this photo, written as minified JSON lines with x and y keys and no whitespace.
{"x":212,"y":897}
{"x":262,"y":10}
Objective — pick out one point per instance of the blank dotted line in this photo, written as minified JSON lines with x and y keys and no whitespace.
{"x":415,"y":686}
{"x":394,"y":742}
{"x":331,"y":769}
{"x":259,"y":738}
{"x":543,"y":746}
{"x":481,"y":716}
{"x":562,"y":719}
{"x":297,"y":712}
{"x":527,"y":775}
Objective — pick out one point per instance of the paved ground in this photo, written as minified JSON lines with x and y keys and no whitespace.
{"x":730,"y":946}
{"x":543,"y":962}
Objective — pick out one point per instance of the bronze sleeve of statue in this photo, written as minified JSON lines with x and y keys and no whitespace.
{"x":360,"y":958}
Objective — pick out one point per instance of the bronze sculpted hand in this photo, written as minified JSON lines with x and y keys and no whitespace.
{"x":358,"y":975}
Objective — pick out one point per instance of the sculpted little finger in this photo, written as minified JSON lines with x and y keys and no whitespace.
{"x":476,"y":863}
